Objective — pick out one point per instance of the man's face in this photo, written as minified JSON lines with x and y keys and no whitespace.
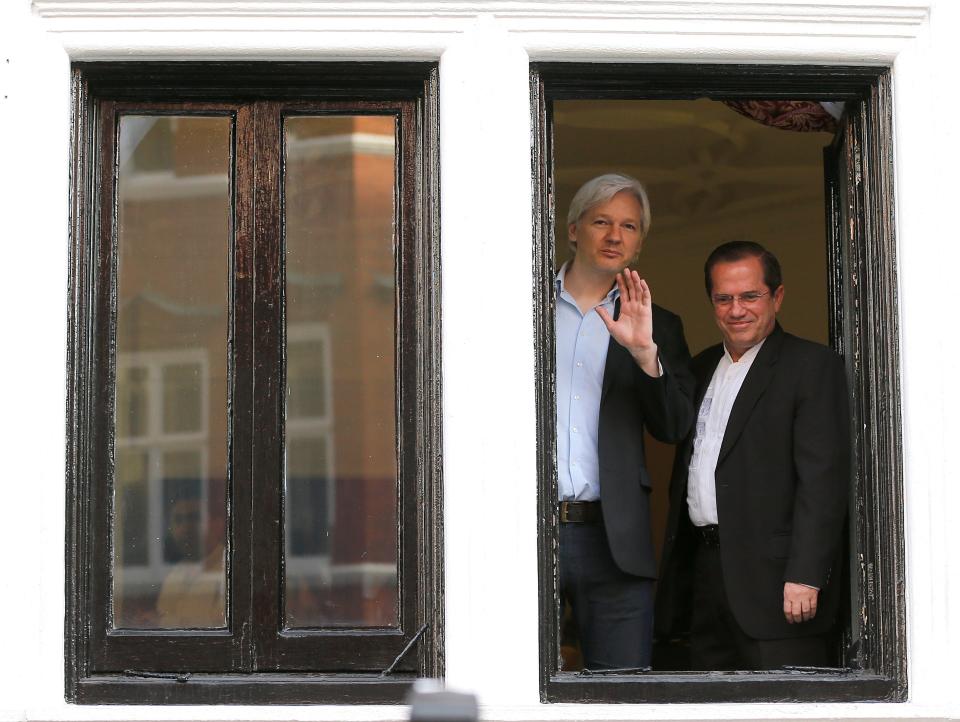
{"x":608,"y":234}
{"x":743,"y":325}
{"x":185,"y":527}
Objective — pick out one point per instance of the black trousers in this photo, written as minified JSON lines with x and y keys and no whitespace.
{"x":716,"y":639}
{"x":613,"y":610}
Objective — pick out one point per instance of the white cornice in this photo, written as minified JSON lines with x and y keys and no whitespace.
{"x":395,"y":29}
{"x":910,"y":13}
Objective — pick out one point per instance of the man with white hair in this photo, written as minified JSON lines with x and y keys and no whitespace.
{"x":622,"y":367}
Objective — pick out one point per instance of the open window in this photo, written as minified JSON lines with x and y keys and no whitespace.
{"x":254,"y":485}
{"x":584,"y":115}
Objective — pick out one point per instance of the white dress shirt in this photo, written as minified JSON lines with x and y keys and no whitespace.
{"x":712,"y":420}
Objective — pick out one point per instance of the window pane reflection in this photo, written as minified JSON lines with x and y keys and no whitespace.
{"x":340,"y":510}
{"x":173,"y":196}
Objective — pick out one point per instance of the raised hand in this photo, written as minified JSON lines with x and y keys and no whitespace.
{"x":633,"y":328}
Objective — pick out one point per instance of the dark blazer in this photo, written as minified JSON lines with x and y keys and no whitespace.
{"x":629,"y":402}
{"x":783,"y":481}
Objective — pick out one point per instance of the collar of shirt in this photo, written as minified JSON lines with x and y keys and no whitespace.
{"x":749,"y":355}
{"x":562,"y":292}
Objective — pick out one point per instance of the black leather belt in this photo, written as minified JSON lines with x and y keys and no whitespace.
{"x":708,"y":535}
{"x":580,"y":512}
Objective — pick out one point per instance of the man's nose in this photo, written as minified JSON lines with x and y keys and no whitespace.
{"x":615,"y":234}
{"x":737,"y":308}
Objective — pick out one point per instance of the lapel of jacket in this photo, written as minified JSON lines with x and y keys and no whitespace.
{"x":752,"y":389}
{"x":612,"y":355}
{"x":703,"y":372}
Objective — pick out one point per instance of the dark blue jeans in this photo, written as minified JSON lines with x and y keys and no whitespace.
{"x":613,"y":610}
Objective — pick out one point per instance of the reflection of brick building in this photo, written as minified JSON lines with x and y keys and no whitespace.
{"x":339,"y":195}
{"x":341,"y":526}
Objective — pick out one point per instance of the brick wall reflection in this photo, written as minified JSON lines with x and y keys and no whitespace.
{"x":341,"y":487}
{"x":339,"y":196}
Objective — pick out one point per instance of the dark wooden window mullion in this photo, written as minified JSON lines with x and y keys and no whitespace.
{"x":835,"y":195}
{"x":422,"y":143}
{"x":240,"y":495}
{"x":85,"y":139}
{"x":544,"y":302}
{"x":267,"y":442}
{"x":850,"y":245}
{"x":872,"y":290}
{"x":101,"y":431}
{"x":864,"y":330}
{"x":129,"y":650}
{"x":408,"y":339}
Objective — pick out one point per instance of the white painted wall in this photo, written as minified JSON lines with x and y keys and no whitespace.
{"x":483,"y":49}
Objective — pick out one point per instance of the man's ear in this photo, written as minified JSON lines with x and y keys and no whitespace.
{"x":572,"y":234}
{"x":778,"y":298}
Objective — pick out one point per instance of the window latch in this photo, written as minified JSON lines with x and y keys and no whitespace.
{"x":182,"y":677}
{"x":403,"y":652}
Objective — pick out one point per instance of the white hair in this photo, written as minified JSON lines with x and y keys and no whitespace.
{"x":600,"y":190}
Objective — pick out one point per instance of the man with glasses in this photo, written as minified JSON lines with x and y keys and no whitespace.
{"x":758,"y":498}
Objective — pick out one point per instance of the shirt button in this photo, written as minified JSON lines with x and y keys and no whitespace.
{"x":576,"y":397}
{"x":579,"y":363}
{"x":574,"y":429}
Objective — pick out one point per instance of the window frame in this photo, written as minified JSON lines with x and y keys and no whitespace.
{"x":864,"y":327}
{"x":223,"y":667}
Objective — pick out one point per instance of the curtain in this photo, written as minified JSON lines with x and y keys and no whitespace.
{"x":797,"y":115}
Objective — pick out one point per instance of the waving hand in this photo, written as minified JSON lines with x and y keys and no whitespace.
{"x":633,"y":328}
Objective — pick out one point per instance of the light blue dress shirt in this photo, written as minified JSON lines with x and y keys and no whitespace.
{"x":582,"y":342}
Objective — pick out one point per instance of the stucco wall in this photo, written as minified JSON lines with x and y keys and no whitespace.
{"x":484,"y":49}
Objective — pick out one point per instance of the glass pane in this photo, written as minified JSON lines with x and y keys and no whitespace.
{"x":308,"y":502}
{"x":131,"y":401}
{"x":174,"y":205}
{"x":341,"y":471}
{"x":182,"y":520}
{"x":182,"y":398}
{"x":132,"y":509}
{"x":306,"y":380}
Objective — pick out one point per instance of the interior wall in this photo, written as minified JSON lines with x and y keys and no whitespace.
{"x":712,"y":175}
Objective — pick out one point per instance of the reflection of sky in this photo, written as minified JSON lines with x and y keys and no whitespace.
{"x":133,"y":129}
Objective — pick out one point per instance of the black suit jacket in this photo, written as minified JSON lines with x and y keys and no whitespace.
{"x":631,"y":401}
{"x":782,"y":483}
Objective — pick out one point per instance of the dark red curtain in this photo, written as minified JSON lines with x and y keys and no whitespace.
{"x":796,"y":115}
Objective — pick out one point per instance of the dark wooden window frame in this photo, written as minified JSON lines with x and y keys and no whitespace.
{"x":254,"y":660}
{"x":862,"y":289}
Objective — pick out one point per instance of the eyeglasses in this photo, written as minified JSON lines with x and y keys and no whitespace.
{"x":722,"y":300}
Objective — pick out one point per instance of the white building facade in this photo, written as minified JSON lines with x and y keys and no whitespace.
{"x":484,"y":50}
